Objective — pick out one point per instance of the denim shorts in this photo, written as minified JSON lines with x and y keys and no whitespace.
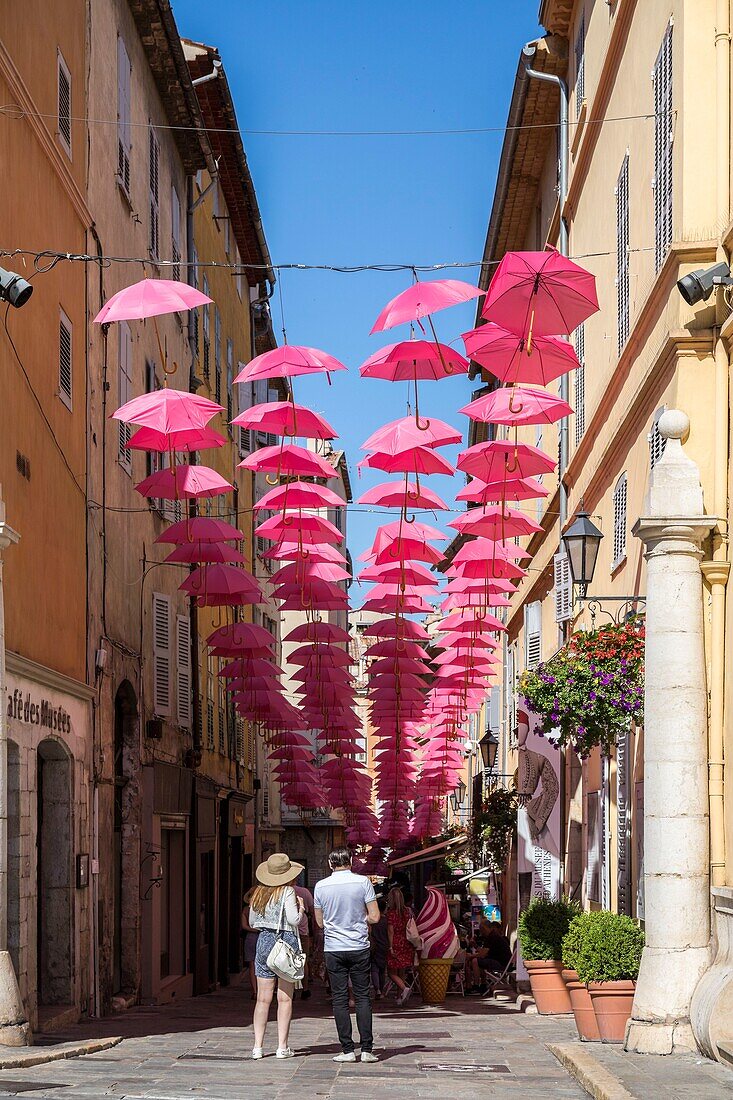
{"x":265,"y":944}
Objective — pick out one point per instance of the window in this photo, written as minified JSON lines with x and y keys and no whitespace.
{"x":161,"y":654}
{"x":539,"y":504}
{"x":193,"y":314}
{"x":124,"y":117}
{"x":239,"y":734}
{"x":656,"y":440}
{"x":663,"y":139}
{"x":217,"y":355}
{"x":246,"y":441}
{"x":230,"y":381}
{"x":124,"y":392}
{"x":207,"y":332}
{"x":65,"y":360}
{"x":580,"y":67}
{"x":183,"y":668}
{"x":154,"y":179}
{"x":619,"y":521}
{"x":532,"y":634}
{"x":222,"y":718}
{"x":64,"y":103}
{"x":622,"y":255}
{"x":175,"y":234}
{"x":580,"y":384}
{"x":563,"y":588}
{"x":210,"y":704}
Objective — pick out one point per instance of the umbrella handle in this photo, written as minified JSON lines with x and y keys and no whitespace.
{"x":512,"y":407}
{"x":410,"y":519}
{"x":510,"y":468}
{"x":272,"y":481}
{"x":529,"y":336}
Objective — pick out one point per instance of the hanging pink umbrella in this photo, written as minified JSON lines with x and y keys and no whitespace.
{"x":495,"y":522}
{"x":517,"y":405}
{"x":184,"y":483}
{"x":188,"y":553}
{"x":508,"y":357}
{"x":388,"y":628}
{"x":241,"y":636}
{"x":396,"y":605}
{"x":288,"y":460}
{"x":317,"y":528}
{"x":423,"y":298}
{"x":500,"y":458}
{"x":411,"y":360}
{"x":394,"y":646}
{"x":287,"y":362}
{"x":302,"y":571}
{"x":416,"y":460}
{"x":299,"y":494}
{"x":396,"y":494}
{"x":150,"y":298}
{"x":402,"y":549}
{"x":471,"y":621}
{"x":187,"y":440}
{"x":200,"y":529}
{"x":411,"y":574}
{"x":168,"y":411}
{"x":523,"y":488}
{"x":285,"y":418}
{"x":317,"y":631}
{"x":540,"y":292}
{"x":405,"y":434}
{"x":214,"y":585}
{"x":304,"y":550}
{"x":483,"y":549}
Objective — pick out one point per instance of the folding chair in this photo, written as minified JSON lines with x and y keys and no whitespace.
{"x":458,"y":974}
{"x":498,"y":981}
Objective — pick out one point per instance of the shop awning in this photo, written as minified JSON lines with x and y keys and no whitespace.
{"x":451,"y":846}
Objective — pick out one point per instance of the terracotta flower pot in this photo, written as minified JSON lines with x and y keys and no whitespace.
{"x":548,"y":987}
{"x":612,"y":1003}
{"x":585,"y":1017}
{"x":434,"y":977}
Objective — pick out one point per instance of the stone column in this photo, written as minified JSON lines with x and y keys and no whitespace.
{"x":676,"y":867}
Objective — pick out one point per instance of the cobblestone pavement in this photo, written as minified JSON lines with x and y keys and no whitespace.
{"x":200,"y":1048}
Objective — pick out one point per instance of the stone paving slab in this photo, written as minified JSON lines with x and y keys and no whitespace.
{"x":608,"y":1072}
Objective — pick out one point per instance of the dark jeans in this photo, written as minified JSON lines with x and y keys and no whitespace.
{"x":354,"y":965}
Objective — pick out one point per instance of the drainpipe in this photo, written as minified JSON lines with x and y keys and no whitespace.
{"x":213,"y":75}
{"x":716,"y":570}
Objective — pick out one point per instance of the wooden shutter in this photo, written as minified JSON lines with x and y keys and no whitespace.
{"x":65,"y":360}
{"x":532,"y":634}
{"x":580,"y":384}
{"x":246,"y":437}
{"x":619,"y":521}
{"x":161,"y":654}
{"x":580,"y":67}
{"x":217,"y":355}
{"x":175,"y":234}
{"x":593,"y":875}
{"x":183,"y":670}
{"x":124,"y":391}
{"x":154,"y":191}
{"x":623,"y":859}
{"x":622,"y":255}
{"x":124,"y":117}
{"x":663,"y":142}
{"x":230,"y":382}
{"x":64,"y":103}
{"x":563,"y":588}
{"x":494,"y":709}
{"x":206,"y":323}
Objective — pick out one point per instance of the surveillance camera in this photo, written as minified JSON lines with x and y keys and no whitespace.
{"x":14,"y":289}
{"x":699,"y":285}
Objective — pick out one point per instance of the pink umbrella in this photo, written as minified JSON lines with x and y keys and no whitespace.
{"x":150,"y":298}
{"x":241,"y":636}
{"x":517,"y":405}
{"x":388,"y":628}
{"x":184,"y":483}
{"x":411,"y":574}
{"x":285,"y":418}
{"x":317,"y":631}
{"x":305,"y":550}
{"x":200,"y":529}
{"x":289,"y":460}
{"x":394,"y":494}
{"x":507,"y":357}
{"x":471,"y":621}
{"x":403,"y":549}
{"x":500,"y":458}
{"x":411,"y":360}
{"x":190,"y":552}
{"x":540,"y":292}
{"x":396,"y":605}
{"x":168,"y":411}
{"x":287,"y":362}
{"x":217,"y":585}
{"x":392,"y":646}
{"x":523,"y":488}
{"x":302,"y":571}
{"x":495,"y":522}
{"x":416,"y":460}
{"x":317,"y":528}
{"x":481,"y":549}
{"x":188,"y":439}
{"x":422,"y":299}
{"x":405,"y":434}
{"x":300,"y":494}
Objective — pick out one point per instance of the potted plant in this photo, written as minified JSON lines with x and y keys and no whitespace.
{"x":585,"y":1017}
{"x":607,"y":960}
{"x":542,"y":927}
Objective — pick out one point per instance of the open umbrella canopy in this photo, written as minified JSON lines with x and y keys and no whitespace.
{"x":405,"y":434}
{"x":396,"y":494}
{"x":288,"y":460}
{"x":413,"y":360}
{"x":188,"y":553}
{"x":304,"y":550}
{"x":416,"y":460}
{"x":495,"y":522}
{"x":317,"y":631}
{"x":523,"y":488}
{"x":150,"y":298}
{"x":510,"y":358}
{"x":184,"y":483}
{"x":241,"y":636}
{"x":517,"y":405}
{"x":400,"y":549}
{"x":299,"y":494}
{"x":287,"y":362}
{"x":407,"y":573}
{"x":389,"y":628}
{"x":200,"y":529}
{"x":168,"y":411}
{"x":216,"y":579}
{"x":186,"y":440}
{"x":540,"y":292}
{"x":285,"y":418}
{"x":317,"y":528}
{"x":301,"y":572}
{"x":423,"y":298}
{"x":500,"y":458}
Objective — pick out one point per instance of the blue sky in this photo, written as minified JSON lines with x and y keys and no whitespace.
{"x":385,"y":65}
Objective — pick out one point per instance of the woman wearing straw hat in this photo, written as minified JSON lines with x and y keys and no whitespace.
{"x":274,"y":904}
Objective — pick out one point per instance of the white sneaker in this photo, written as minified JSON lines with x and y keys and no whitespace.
{"x":284,"y":1052}
{"x":367,"y":1056}
{"x":257,"y":1052}
{"x":346,"y":1056}
{"x":404,"y":997}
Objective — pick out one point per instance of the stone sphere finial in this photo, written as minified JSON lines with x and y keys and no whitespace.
{"x":674,"y":424}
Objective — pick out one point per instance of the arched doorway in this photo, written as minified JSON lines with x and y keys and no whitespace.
{"x":54,"y":864}
{"x":126,"y":841}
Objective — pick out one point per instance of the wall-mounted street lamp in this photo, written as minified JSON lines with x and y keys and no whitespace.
{"x":457,"y":796}
{"x":489,"y":746}
{"x":582,"y":541}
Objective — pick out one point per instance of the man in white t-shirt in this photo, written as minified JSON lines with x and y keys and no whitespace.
{"x":345,"y":906}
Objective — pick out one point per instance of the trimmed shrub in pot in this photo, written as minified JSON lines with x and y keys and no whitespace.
{"x":585,"y":1017}
{"x":607,"y":955}
{"x":542,"y":927}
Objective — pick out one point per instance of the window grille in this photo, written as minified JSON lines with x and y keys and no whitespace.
{"x":580,"y":384}
{"x":124,"y":117}
{"x":580,"y":67}
{"x":65,"y":360}
{"x":124,"y":392}
{"x":622,"y":255}
{"x":154,"y":189}
{"x":663,"y":141}
{"x":161,"y":653}
{"x":619,"y":521}
{"x":64,"y":104}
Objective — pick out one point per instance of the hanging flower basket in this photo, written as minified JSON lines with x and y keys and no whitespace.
{"x":592,"y":689}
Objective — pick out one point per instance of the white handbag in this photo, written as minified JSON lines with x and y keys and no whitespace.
{"x":283,"y":959}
